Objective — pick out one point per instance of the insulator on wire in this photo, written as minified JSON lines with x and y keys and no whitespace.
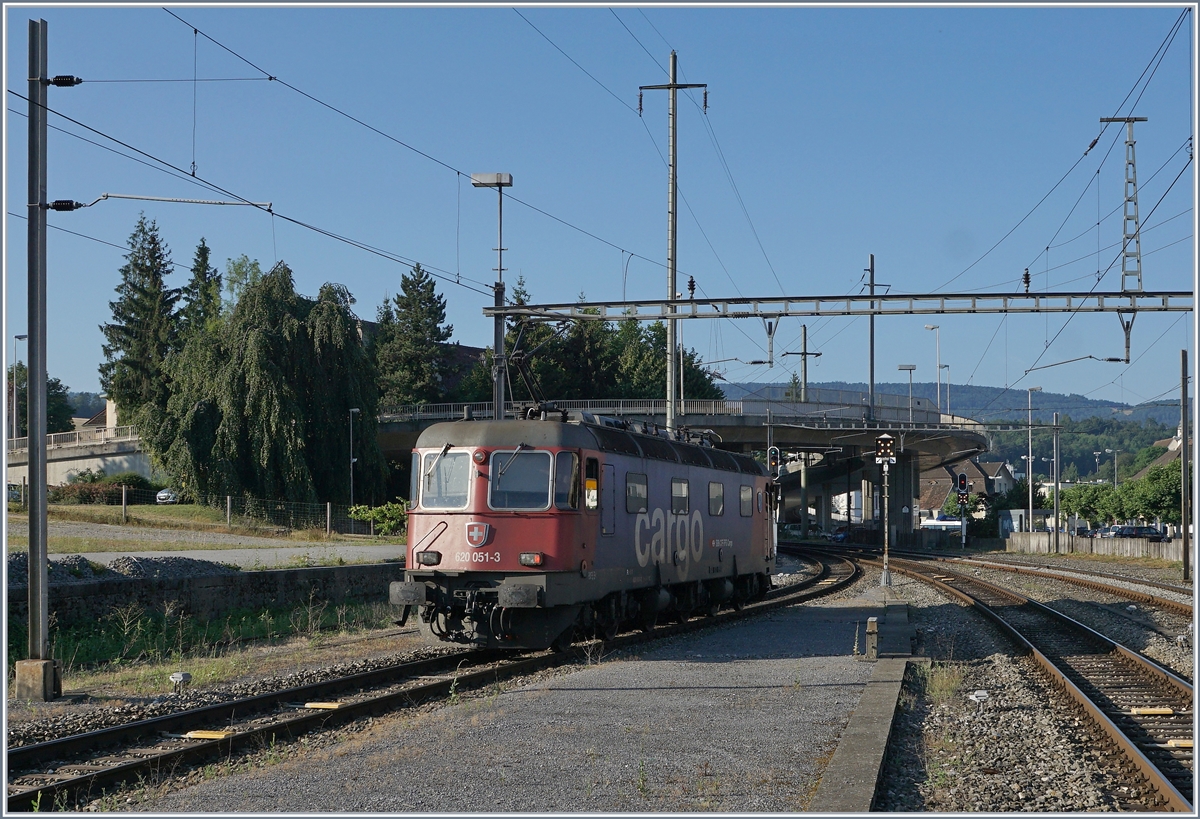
{"x":64,"y":205}
{"x":639,"y":103}
{"x":706,"y":100}
{"x":64,"y":81}
{"x":1025,"y":279}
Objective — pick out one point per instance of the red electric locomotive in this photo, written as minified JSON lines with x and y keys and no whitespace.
{"x":523,"y":531}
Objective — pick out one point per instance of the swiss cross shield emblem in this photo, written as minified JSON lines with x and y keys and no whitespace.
{"x":477,"y":533}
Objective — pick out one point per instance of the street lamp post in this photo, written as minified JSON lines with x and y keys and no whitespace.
{"x":1029,"y":462}
{"x":909,"y":368}
{"x":353,"y":412}
{"x":499,"y":181}
{"x":1114,"y":452}
{"x":946,"y":367}
{"x":1097,"y":454}
{"x":13,"y":431}
{"x":937,"y":337}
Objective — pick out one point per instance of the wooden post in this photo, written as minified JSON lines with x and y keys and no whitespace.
{"x":229,"y":510}
{"x":124,"y":503}
{"x":328,"y":518}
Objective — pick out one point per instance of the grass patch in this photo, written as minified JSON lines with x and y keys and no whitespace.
{"x":135,"y":649}
{"x":942,"y":680}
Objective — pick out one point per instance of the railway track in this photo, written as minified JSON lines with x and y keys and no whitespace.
{"x":67,"y":773}
{"x":1076,"y":577}
{"x":1146,"y":710}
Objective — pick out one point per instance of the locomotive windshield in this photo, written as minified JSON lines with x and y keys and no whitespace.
{"x":520,"y":480}
{"x":446,"y":480}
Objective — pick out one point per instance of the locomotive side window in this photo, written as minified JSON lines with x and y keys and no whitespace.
{"x":679,"y":496}
{"x":446,"y":479}
{"x":591,"y":484}
{"x":636,"y":496}
{"x":414,"y":481}
{"x":716,"y":499}
{"x":520,"y":480}
{"x":747,"y":500}
{"x":566,"y":480}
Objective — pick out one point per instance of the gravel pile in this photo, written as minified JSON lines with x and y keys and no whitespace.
{"x":1022,"y":748}
{"x":78,"y":569}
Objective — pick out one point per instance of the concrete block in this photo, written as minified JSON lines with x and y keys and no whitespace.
{"x":38,"y":680}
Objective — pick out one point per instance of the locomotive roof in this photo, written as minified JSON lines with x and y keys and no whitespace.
{"x":582,"y":435}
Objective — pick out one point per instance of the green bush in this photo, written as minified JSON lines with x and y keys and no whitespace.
{"x":390,"y":519}
{"x":131,"y":479}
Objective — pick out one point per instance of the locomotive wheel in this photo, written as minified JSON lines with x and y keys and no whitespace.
{"x":713,"y":608}
{"x":609,"y":629}
{"x":681,"y":616}
{"x":648,"y":623}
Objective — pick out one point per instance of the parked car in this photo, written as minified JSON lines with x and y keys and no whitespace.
{"x":1148,"y":532}
{"x":167,"y":496}
{"x":791,"y":531}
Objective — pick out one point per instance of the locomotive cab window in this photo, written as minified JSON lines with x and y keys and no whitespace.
{"x":747,"y":501}
{"x":591,"y":484}
{"x":445,"y":479}
{"x":636,"y":497}
{"x":414,"y":481}
{"x":566,"y":480}
{"x":716,"y":499}
{"x":679,"y":496}
{"x":520,"y":480}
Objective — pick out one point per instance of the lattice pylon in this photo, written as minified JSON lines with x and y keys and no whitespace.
{"x":1131,"y":246}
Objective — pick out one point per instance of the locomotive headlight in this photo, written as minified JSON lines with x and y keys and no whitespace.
{"x":428,"y":558}
{"x":532,"y":558}
{"x":480,"y":456}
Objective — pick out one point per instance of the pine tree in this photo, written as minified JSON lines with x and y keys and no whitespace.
{"x":144,"y":328}
{"x":202,"y":295}
{"x":58,"y":404}
{"x":409,"y":349}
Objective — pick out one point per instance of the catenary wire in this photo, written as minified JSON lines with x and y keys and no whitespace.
{"x":439,"y":274}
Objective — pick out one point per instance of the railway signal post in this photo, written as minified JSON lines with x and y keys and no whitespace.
{"x":885,"y":455}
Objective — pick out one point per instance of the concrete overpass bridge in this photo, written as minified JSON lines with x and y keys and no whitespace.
{"x":833,"y":433}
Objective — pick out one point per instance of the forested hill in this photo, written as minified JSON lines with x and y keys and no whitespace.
{"x":990,"y":403}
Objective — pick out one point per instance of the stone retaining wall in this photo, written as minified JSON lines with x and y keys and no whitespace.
{"x":1042,"y":543}
{"x":213,"y":596}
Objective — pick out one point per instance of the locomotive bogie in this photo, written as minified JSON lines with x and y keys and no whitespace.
{"x":522,"y":532}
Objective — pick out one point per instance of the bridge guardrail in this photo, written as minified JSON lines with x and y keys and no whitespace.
{"x":82,"y":437}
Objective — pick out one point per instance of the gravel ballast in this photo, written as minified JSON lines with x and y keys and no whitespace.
{"x":1023,"y":748}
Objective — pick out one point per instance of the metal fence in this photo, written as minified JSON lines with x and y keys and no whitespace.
{"x":253,"y":513}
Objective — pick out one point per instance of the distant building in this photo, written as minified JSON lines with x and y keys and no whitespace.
{"x":989,"y":479}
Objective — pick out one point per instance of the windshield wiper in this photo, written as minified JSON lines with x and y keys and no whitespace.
{"x":509,"y":463}
{"x":433,"y":465}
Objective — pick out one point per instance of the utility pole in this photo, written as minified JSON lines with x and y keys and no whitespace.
{"x":672,"y":89}
{"x":871,"y":381}
{"x":499,"y":181}
{"x":36,"y":677}
{"x":1056,"y":484}
{"x":1185,"y":494}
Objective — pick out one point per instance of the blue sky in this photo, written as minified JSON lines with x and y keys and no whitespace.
{"x":922,"y":135}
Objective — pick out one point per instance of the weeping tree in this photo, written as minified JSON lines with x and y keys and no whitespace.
{"x":261,"y":404}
